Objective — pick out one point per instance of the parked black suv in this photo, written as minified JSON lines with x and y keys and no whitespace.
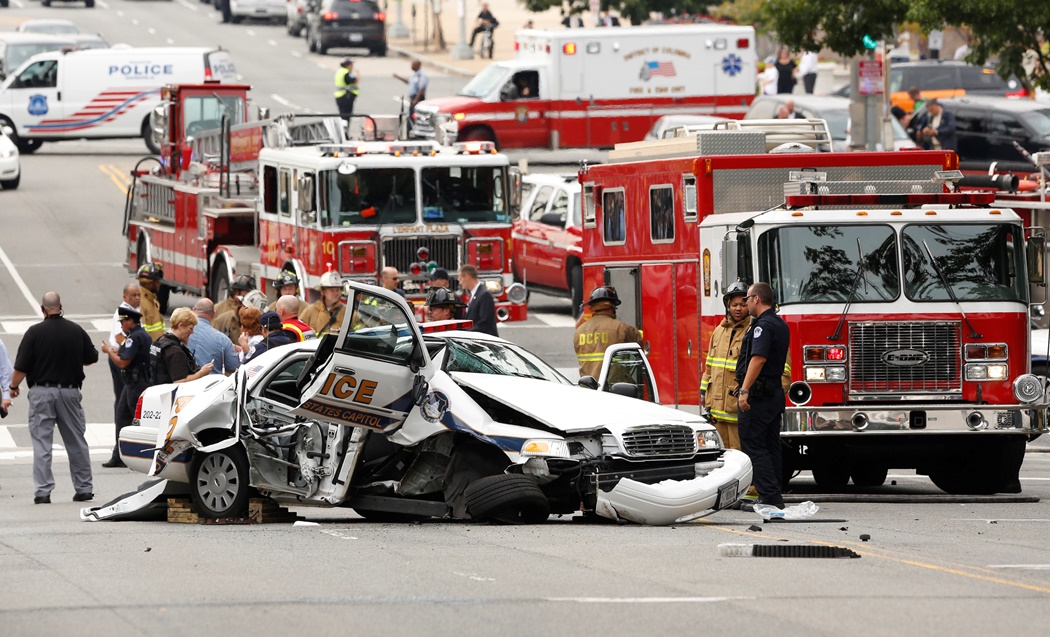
{"x":356,"y":24}
{"x":987,"y":127}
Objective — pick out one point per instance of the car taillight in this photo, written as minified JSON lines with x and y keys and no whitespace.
{"x":138,"y":409}
{"x":330,"y":15}
{"x":1019,"y":93}
{"x":379,"y":16}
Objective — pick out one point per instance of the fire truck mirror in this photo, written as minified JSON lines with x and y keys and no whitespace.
{"x":730,"y":255}
{"x":263,"y":113}
{"x":514,"y":188}
{"x":306,"y":195}
{"x":1037,"y":260}
{"x":158,"y":120}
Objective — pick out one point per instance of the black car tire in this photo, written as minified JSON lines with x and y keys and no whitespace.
{"x":219,"y":484}
{"x":380,"y":52}
{"x":90,"y":4}
{"x":869,"y":476}
{"x":10,"y":184}
{"x":506,"y":499}
{"x":45,"y":3}
{"x":831,"y":476}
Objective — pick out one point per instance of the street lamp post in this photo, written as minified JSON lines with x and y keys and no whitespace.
{"x":462,"y":50}
{"x":398,"y":28}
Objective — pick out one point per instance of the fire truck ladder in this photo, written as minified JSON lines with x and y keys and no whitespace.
{"x":733,"y":137}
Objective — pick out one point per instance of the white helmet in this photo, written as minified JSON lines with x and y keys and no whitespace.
{"x":331,"y":279}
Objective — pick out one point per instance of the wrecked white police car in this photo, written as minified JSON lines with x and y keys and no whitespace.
{"x":400,"y":423}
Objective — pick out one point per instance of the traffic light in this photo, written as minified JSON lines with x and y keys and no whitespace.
{"x":869,"y":42}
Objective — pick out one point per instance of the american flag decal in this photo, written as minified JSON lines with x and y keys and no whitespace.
{"x":661,"y":69}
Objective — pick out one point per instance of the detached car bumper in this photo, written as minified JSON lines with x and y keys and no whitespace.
{"x":677,"y":501}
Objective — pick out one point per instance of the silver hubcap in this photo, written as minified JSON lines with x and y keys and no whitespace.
{"x":217,"y":482}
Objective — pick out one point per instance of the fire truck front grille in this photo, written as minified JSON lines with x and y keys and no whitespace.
{"x":659,"y":441}
{"x":401,"y":252}
{"x":913,"y":357}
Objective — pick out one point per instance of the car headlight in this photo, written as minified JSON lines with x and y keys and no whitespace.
{"x":980,"y":371}
{"x":546,"y":448}
{"x":708,"y":440}
{"x":494,"y":286}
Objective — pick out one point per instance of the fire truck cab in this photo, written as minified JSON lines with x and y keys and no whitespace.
{"x":260,"y":197}
{"x":908,"y":303}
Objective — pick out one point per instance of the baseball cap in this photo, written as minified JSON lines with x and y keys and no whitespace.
{"x":440,"y":273}
{"x":270,"y":320}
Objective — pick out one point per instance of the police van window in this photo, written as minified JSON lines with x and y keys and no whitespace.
{"x":379,"y":329}
{"x":270,"y":189}
{"x":367,"y":197}
{"x":661,"y":214}
{"x":285,"y":192}
{"x":463,"y":194}
{"x":688,"y":198}
{"x":614,"y":217}
{"x":539,"y":204}
{"x":204,"y":113}
{"x":42,"y":74}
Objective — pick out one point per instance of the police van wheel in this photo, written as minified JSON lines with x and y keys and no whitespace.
{"x":219,"y":483}
{"x":28,"y":146}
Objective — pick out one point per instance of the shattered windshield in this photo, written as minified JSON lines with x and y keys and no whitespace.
{"x":464,"y":194}
{"x":369,"y":196}
{"x":981,"y":262}
{"x":502,"y":359}
{"x":819,"y":264}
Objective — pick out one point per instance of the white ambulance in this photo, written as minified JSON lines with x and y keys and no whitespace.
{"x":586,"y":88}
{"x":102,"y":93}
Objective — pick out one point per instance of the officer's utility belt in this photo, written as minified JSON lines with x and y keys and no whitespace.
{"x":134,"y":375}
{"x":762,"y":388}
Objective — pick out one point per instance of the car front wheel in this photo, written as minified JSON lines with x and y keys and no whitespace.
{"x":219,"y":486}
{"x":506,"y":499}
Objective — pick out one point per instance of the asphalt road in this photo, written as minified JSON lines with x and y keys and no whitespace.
{"x":927,"y":569}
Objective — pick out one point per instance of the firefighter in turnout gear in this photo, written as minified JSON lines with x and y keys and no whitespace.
{"x":595,"y":336}
{"x":149,"y":276}
{"x":326,"y":314}
{"x":287,"y":284}
{"x":227,"y":313}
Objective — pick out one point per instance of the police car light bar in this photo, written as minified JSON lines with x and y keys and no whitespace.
{"x":474,"y":148}
{"x":445,"y":326}
{"x":921,"y":199}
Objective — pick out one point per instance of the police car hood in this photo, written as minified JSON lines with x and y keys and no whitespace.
{"x":573,"y":409}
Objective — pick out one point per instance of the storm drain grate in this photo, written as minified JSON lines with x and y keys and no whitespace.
{"x":784,"y":550}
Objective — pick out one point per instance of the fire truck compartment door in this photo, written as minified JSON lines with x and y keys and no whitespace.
{"x":626,"y":363}
{"x":378,"y":369}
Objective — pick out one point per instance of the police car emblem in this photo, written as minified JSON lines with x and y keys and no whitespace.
{"x":758,"y":332}
{"x":435,"y":406}
{"x":732,"y":64}
{"x":38,"y":105}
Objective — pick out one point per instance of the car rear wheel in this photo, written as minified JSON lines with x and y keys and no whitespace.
{"x":90,"y":4}
{"x":11,"y":184}
{"x":219,"y":486}
{"x":506,"y":499}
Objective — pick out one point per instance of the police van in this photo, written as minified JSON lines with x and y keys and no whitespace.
{"x":102,"y":93}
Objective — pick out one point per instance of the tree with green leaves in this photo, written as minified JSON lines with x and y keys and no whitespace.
{"x":636,"y":11}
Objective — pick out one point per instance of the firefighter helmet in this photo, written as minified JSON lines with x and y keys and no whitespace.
{"x":604,"y":293}
{"x":443,"y":297}
{"x":331,"y":279}
{"x":286,"y":277}
{"x":151,"y":271}
{"x":243,"y":282}
{"x":736,"y":288}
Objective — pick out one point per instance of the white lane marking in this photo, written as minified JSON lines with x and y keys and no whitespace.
{"x":283,"y":102}
{"x":339,"y":534}
{"x":18,"y":4}
{"x":250,"y":32}
{"x":134,"y":20}
{"x":554,"y":320}
{"x":56,"y":454}
{"x":7,"y":441}
{"x":644,"y":600}
{"x":99,"y":435}
{"x":474,"y":576}
{"x":296,"y":54}
{"x":322,"y":66}
{"x":120,"y":13}
{"x":102,"y":3}
{"x":189,"y":5}
{"x":102,"y":325}
{"x":272,"y":42}
{"x":151,"y":31}
{"x":171,"y":41}
{"x":19,"y":282}
{"x":17,"y":327}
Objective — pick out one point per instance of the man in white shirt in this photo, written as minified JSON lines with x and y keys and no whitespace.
{"x":807,"y":68}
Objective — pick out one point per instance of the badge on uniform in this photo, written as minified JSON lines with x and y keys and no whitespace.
{"x":128,"y":342}
{"x":758,"y":332}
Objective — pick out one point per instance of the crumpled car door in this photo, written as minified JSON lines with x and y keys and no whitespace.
{"x":378,"y":370}
{"x":626,"y":363}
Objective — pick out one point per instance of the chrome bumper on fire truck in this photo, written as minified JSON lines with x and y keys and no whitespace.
{"x":935,"y":418}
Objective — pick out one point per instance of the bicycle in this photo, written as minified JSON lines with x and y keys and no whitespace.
{"x":486,"y":42}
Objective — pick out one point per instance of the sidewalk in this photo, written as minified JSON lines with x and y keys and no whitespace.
{"x":510,"y":14}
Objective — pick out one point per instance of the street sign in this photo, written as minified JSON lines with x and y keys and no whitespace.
{"x":870,"y":79}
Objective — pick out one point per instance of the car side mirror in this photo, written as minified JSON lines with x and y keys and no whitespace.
{"x":625,"y":389}
{"x":420,"y":389}
{"x":506,"y":93}
{"x":552,"y":219}
{"x":589,"y":382}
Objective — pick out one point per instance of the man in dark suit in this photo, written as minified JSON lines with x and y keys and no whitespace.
{"x":481,"y":308}
{"x":935,"y":129}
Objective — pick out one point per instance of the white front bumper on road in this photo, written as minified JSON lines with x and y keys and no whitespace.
{"x":677,"y":501}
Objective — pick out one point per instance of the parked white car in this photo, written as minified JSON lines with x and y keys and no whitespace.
{"x":10,"y":169}
{"x":399,"y":423}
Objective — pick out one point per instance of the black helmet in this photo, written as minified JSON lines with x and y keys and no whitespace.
{"x":443,"y":297}
{"x":286,"y":277}
{"x":243,"y":282}
{"x":736,"y":288}
{"x":151,"y":271}
{"x":604,"y":293}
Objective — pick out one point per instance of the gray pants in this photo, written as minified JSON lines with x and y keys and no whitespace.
{"x":49,"y":406}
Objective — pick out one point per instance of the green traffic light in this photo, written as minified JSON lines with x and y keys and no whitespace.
{"x":870,"y":42}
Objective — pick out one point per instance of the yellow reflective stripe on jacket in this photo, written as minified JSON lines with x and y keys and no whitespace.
{"x":718,"y":414}
{"x":590,"y":358}
{"x":154,"y":327}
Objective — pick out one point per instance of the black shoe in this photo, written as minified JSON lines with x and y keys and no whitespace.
{"x":42,"y":499}
{"x":83,"y":497}
{"x":113,"y":463}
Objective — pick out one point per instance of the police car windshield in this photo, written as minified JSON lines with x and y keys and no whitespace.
{"x":981,"y":262}
{"x":486,"y":82}
{"x":369,"y":196}
{"x":461,"y":194}
{"x":204,"y":112}
{"x":819,"y":264}
{"x":502,"y":359}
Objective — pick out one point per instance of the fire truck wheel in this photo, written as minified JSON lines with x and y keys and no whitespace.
{"x":147,"y":136}
{"x":831,"y":476}
{"x":576,"y":289}
{"x":869,"y":476}
{"x":220,"y":283}
{"x":991,"y":468}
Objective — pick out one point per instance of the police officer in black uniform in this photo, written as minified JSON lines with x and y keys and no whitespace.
{"x":760,"y":396}
{"x":132,"y":357}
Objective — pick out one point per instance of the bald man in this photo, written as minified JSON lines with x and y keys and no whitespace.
{"x":288,"y":310}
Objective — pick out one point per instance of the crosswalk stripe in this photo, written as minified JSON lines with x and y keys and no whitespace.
{"x":7,"y":441}
{"x":98,"y":435}
{"x":17,"y":327}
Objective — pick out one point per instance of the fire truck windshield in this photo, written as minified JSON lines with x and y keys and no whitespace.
{"x":819,"y":264}
{"x":464,"y":194}
{"x":204,"y":112}
{"x":981,"y":262}
{"x":486,"y":82}
{"x":369,"y":196}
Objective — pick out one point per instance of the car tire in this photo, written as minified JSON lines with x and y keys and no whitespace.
{"x":389,"y":516}
{"x":11,"y":184}
{"x":3,"y":4}
{"x":869,"y":476}
{"x":506,"y":499}
{"x":831,"y":476}
{"x":380,"y":52}
{"x":147,"y":136}
{"x":219,"y":484}
{"x":45,"y":3}
{"x":90,"y":4}
{"x":576,"y":289}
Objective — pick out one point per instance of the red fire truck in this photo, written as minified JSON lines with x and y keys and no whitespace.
{"x":261,"y":197}
{"x":908,"y":303}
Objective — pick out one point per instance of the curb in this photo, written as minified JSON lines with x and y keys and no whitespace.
{"x":448,"y":68}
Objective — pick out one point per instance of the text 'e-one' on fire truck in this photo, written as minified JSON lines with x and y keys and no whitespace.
{"x":260,"y":197}
{"x":908,"y":302}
